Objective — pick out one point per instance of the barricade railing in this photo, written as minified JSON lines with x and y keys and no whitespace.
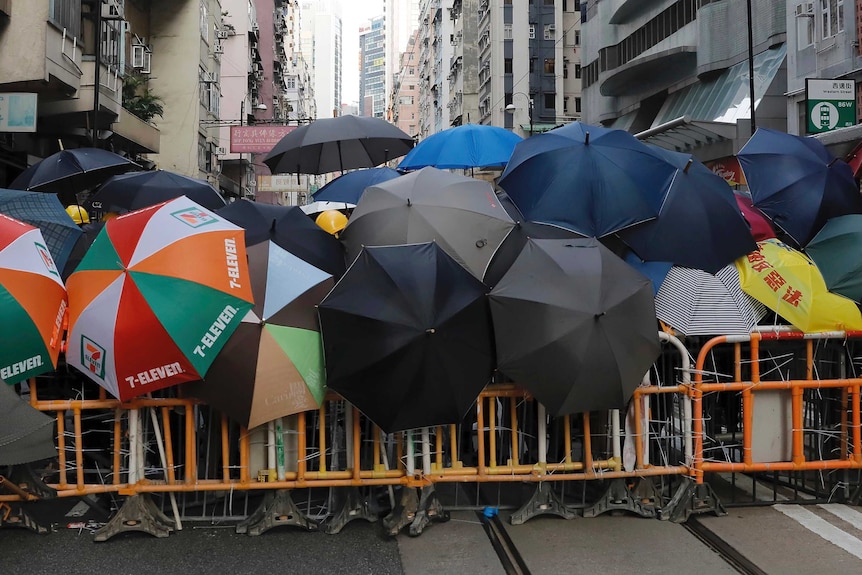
{"x":789,"y":404}
{"x":165,"y":445}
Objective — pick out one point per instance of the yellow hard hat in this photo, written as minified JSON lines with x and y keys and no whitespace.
{"x":332,"y":221}
{"x":78,"y":214}
{"x":109,"y":216}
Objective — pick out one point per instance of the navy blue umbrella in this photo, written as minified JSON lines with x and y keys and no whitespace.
{"x":349,"y":187}
{"x":465,"y":146}
{"x":797,"y":182}
{"x":136,"y":190}
{"x":592,"y":180}
{"x":699,"y":224}
{"x":46,"y":213}
{"x":655,"y":271}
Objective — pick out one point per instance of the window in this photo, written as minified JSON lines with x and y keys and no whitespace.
{"x":577,"y":34}
{"x":549,"y":65}
{"x":532,"y":31}
{"x":507,"y":31}
{"x":804,"y":30}
{"x":202,"y":153}
{"x":831,"y":17}
{"x":507,"y":66}
{"x":577,"y":70}
{"x":549,"y":31}
{"x":205,"y":29}
{"x":67,"y":14}
{"x":290,"y":82}
{"x":532,"y":65}
{"x":578,"y":105}
{"x":565,"y":105}
{"x":550,"y":101}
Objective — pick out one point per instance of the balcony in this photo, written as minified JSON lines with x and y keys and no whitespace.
{"x":139,"y":136}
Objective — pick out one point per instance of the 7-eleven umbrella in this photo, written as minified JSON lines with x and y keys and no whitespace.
{"x":32,"y":303}
{"x":272,"y":365}
{"x":156,"y":297}
{"x":787,"y":282}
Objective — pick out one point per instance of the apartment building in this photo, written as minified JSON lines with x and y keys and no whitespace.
{"x":372,"y":68}
{"x":404,"y":101}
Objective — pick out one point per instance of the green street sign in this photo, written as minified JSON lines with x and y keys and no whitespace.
{"x":831,"y":104}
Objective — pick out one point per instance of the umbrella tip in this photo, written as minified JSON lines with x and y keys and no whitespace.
{"x":587,"y":138}
{"x":687,"y":166}
{"x":598,"y":315}
{"x":430,"y":331}
{"x":409,"y":203}
{"x":481,"y":243}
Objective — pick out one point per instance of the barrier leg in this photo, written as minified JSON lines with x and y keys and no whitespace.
{"x":276,"y":510}
{"x":416,"y":508}
{"x":354,"y":506}
{"x":691,"y":499}
{"x":28,"y":480}
{"x":543,"y":502}
{"x":640,"y":499}
{"x":14,"y":515}
{"x":138,"y":513}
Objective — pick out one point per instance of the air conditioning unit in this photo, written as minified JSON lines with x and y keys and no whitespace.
{"x":221,"y":34}
{"x":552,"y":28}
{"x":112,"y":10}
{"x":220,"y":151}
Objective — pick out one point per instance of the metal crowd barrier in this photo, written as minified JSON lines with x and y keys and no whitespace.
{"x":165,"y":460}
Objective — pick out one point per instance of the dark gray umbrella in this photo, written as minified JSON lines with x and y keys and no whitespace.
{"x":337,"y":144}
{"x":26,"y":434}
{"x":461,"y":214}
{"x":575,"y":325}
{"x":136,"y":190}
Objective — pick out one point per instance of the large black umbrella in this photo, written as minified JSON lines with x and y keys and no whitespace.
{"x":337,"y":144}
{"x":136,"y":190}
{"x":26,"y":434}
{"x":575,"y":325}
{"x":407,"y":336}
{"x":461,"y":214}
{"x":290,"y":228}
{"x":70,"y":171}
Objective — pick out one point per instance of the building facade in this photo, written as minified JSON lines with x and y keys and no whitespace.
{"x":322,"y":40}
{"x":404,"y":101}
{"x":372,"y":70}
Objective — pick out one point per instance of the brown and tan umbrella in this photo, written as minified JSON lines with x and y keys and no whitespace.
{"x":272,"y":365}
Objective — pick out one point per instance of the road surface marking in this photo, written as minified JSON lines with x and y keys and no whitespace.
{"x":823,"y":528}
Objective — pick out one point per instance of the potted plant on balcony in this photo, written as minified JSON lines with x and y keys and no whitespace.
{"x":139,"y":100}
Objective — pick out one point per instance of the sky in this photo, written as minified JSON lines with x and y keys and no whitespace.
{"x":354,"y":13}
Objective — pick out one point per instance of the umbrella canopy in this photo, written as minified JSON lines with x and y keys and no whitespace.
{"x":337,"y":144}
{"x":655,"y":271}
{"x":461,"y":214}
{"x":156,"y":297}
{"x":464,"y":146}
{"x":349,"y":187}
{"x":318,"y":207}
{"x":591,"y":180}
{"x":761,"y":228}
{"x":46,"y":213}
{"x":836,"y":251}
{"x":797,"y":182}
{"x":136,"y":190}
{"x":695,"y":302}
{"x":575,"y":325}
{"x":788,"y":283}
{"x":290,"y":229}
{"x":26,"y":434}
{"x":272,"y":365}
{"x":699,"y":224}
{"x":407,"y":336}
{"x":70,"y":171}
{"x":32,"y":303}
{"x":86,"y":239}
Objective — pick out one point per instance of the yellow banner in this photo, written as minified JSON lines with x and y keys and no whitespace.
{"x":787,"y":282}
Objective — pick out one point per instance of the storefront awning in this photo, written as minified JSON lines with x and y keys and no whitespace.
{"x":684,"y":134}
{"x":539,"y":128}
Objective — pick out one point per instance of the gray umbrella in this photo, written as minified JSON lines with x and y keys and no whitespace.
{"x":575,"y":325}
{"x":26,"y":434}
{"x":337,"y":144}
{"x":461,"y":214}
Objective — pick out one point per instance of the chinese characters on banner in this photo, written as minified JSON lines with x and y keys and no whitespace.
{"x":773,"y":278}
{"x":256,"y":139}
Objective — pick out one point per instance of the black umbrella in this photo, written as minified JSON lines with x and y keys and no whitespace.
{"x":289,"y":228}
{"x":136,"y":190}
{"x":26,"y":434}
{"x":407,"y":336}
{"x":81,"y":246}
{"x":461,"y":214}
{"x":575,"y":325}
{"x":337,"y":144}
{"x":70,"y":171}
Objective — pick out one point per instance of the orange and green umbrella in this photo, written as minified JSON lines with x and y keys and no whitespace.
{"x":156,"y":297}
{"x":786,"y":281}
{"x":32,"y":303}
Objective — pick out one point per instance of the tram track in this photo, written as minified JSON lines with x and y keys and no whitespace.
{"x":503,"y":545}
{"x":722,"y":548}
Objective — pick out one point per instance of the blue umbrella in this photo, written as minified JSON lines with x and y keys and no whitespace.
{"x":349,"y":187}
{"x":699,"y":225}
{"x":797,"y":183}
{"x":46,"y":213}
{"x":592,"y":180}
{"x":466,"y":146}
{"x":655,"y":271}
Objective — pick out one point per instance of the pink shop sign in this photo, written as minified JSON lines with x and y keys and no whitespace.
{"x":256,"y":139}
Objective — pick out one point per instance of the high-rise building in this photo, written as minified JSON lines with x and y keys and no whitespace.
{"x":404,"y":108}
{"x":402,"y":19}
{"x":372,"y":71}
{"x":321,"y":24}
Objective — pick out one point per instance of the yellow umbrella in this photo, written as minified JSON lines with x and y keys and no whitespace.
{"x":787,"y":282}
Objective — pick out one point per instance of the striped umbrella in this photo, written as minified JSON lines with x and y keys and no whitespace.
{"x":695,"y":302}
